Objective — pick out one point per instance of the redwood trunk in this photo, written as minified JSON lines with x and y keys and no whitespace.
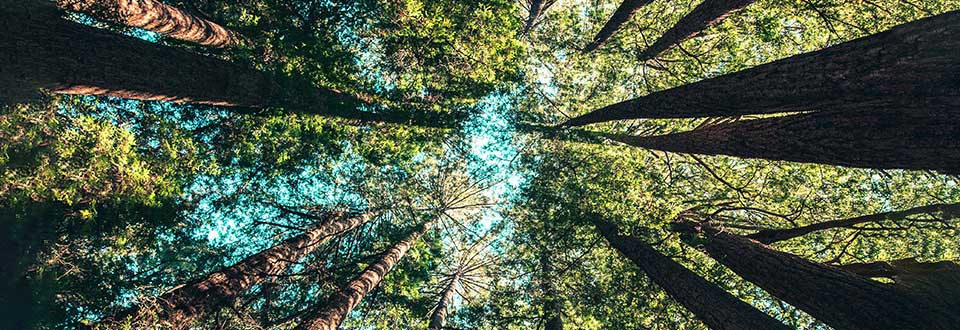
{"x":536,"y":9}
{"x":624,"y":13}
{"x":776,"y":235}
{"x":841,"y":299}
{"x":914,"y":66}
{"x":552,"y":307}
{"x":331,"y":313}
{"x":869,"y":138}
{"x":157,"y":17}
{"x":705,"y":15}
{"x":439,"y":316}
{"x":717,"y":308}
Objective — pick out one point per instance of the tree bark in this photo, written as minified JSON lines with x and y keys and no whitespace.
{"x":770,"y":236}
{"x":706,"y":14}
{"x":841,"y":299}
{"x":158,"y":17}
{"x":536,"y":9}
{"x":439,"y":316}
{"x":913,"y":66}
{"x":624,"y":13}
{"x":551,"y":304}
{"x":42,"y":51}
{"x":331,"y":314}
{"x":868,"y":138}
{"x":189,"y":302}
{"x":717,"y":308}
{"x":938,"y":282}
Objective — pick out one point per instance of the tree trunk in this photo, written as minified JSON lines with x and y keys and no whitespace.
{"x":770,"y":236}
{"x":439,"y":316}
{"x":914,"y":66}
{"x":551,"y":304}
{"x":869,"y":138}
{"x":938,"y":282}
{"x":331,"y":313}
{"x":624,"y":13}
{"x":536,"y":9}
{"x":158,"y":17}
{"x":717,"y":308}
{"x":39,"y":50}
{"x":841,"y":299}
{"x":706,"y":14}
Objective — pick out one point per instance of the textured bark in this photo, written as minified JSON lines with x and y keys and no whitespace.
{"x":624,"y":13}
{"x":869,"y":138}
{"x":217,"y":290}
{"x":39,"y":50}
{"x":706,"y":14}
{"x":157,"y":17}
{"x":841,"y":299}
{"x":776,"y":235}
{"x":938,"y":282}
{"x":552,"y":307}
{"x":914,"y":65}
{"x":330,"y":314}
{"x":717,"y":308}
{"x":439,"y":315}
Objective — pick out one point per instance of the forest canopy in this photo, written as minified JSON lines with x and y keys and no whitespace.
{"x":486,"y":164}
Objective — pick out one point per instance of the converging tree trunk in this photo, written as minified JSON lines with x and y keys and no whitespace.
{"x":439,"y":315}
{"x":42,"y":51}
{"x":551,"y":303}
{"x":717,"y":308}
{"x":537,"y":7}
{"x":329,"y":314}
{"x":839,"y":298}
{"x":869,"y":138}
{"x":912,"y":66}
{"x":624,"y":13}
{"x":158,"y":17}
{"x":706,"y":14}
{"x":768,"y":236}
{"x":217,"y":290}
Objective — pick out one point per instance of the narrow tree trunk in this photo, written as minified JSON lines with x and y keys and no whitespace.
{"x":624,"y":13}
{"x":706,"y":14}
{"x":769,"y":236}
{"x":158,"y":17}
{"x":869,"y":138}
{"x":186,"y":303}
{"x":914,"y":65}
{"x":536,"y":9}
{"x":717,"y":308}
{"x":439,"y":316}
{"x":552,"y":307}
{"x":331,"y":313}
{"x":39,"y":50}
{"x":841,"y":299}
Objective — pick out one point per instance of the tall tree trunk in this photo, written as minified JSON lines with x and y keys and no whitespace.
{"x":717,"y":308}
{"x":869,"y":138}
{"x":552,"y":307}
{"x":841,"y":299}
{"x":439,"y":315}
{"x":39,"y":50}
{"x":914,"y":65}
{"x":158,"y":17}
{"x":329,"y":315}
{"x":624,"y":13}
{"x":938,"y":282}
{"x":186,"y":303}
{"x":536,"y":9}
{"x":769,"y":236}
{"x":706,"y":14}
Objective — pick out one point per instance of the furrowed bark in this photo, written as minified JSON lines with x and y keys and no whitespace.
{"x":869,"y":138}
{"x":776,"y":235}
{"x":717,"y":308}
{"x":186,"y":303}
{"x":330,"y":314}
{"x":841,"y":299}
{"x":912,"y":66}
{"x":938,"y":282}
{"x":439,"y":315}
{"x":708,"y":13}
{"x":624,"y":13}
{"x":158,"y":17}
{"x":42,"y":51}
